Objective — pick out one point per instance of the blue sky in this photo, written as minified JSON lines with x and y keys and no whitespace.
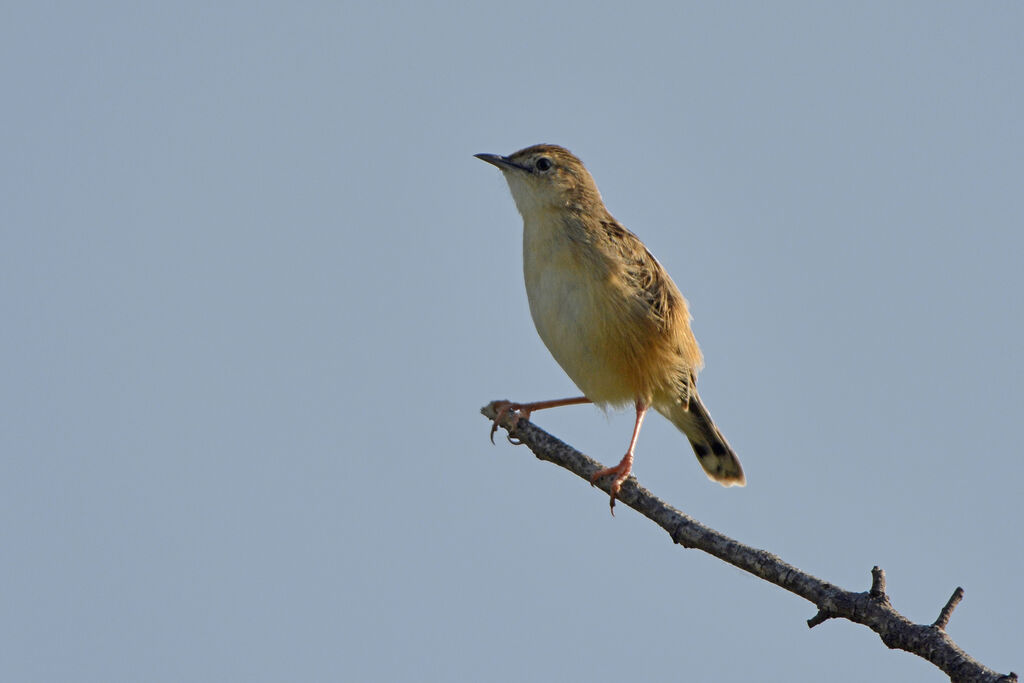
{"x":255,"y":289}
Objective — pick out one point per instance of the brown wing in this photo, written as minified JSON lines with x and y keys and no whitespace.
{"x":652,"y":286}
{"x":659,"y":304}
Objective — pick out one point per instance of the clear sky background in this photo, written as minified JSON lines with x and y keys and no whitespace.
{"x":254,"y":289}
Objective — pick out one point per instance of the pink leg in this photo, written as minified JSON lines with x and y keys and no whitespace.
{"x":522,"y":411}
{"x":625,"y":466}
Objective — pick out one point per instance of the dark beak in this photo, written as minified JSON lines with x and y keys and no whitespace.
{"x":501,"y":162}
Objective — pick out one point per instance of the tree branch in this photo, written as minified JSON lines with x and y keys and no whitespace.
{"x":871,"y":608}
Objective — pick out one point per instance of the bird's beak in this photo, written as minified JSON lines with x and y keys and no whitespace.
{"x":501,"y":162}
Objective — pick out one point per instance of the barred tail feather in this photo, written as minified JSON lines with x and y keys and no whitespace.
{"x":713,"y":451}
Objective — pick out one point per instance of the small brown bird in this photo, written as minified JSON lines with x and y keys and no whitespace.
{"x":606,"y":309}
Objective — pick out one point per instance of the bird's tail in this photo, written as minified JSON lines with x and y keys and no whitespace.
{"x":713,"y":451}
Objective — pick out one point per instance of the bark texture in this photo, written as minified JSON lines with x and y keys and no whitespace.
{"x":871,"y":607}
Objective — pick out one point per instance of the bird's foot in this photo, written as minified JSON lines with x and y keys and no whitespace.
{"x":621,"y":472}
{"x":518,"y":411}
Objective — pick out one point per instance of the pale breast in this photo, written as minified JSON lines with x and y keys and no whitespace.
{"x":585,"y":331}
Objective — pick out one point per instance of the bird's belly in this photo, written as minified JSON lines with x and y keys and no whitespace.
{"x":582,"y":331}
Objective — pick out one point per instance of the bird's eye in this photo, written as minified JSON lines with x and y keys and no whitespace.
{"x":543,"y":164}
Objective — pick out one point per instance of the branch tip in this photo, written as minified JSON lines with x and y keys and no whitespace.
{"x":877,"y":582}
{"x":943,"y":621}
{"x":823,"y":615}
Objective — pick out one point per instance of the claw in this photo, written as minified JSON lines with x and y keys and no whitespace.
{"x":503,"y":409}
{"x":621,"y":472}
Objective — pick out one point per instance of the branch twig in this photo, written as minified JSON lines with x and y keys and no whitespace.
{"x":947,"y":611}
{"x":871,"y":608}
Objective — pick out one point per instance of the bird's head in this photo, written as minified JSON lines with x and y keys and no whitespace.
{"x":545,"y":178}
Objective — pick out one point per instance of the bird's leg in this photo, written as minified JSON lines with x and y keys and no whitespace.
{"x":625,"y":466}
{"x":521,"y":411}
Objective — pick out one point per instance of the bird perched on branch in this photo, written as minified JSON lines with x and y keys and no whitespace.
{"x":606,"y":309}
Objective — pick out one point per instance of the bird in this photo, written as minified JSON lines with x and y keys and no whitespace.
{"x":606,"y":310}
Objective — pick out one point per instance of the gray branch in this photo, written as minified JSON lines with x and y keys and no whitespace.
{"x":871,"y":608}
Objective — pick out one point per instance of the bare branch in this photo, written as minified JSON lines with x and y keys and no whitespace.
{"x":871,"y":608}
{"x":943,"y":621}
